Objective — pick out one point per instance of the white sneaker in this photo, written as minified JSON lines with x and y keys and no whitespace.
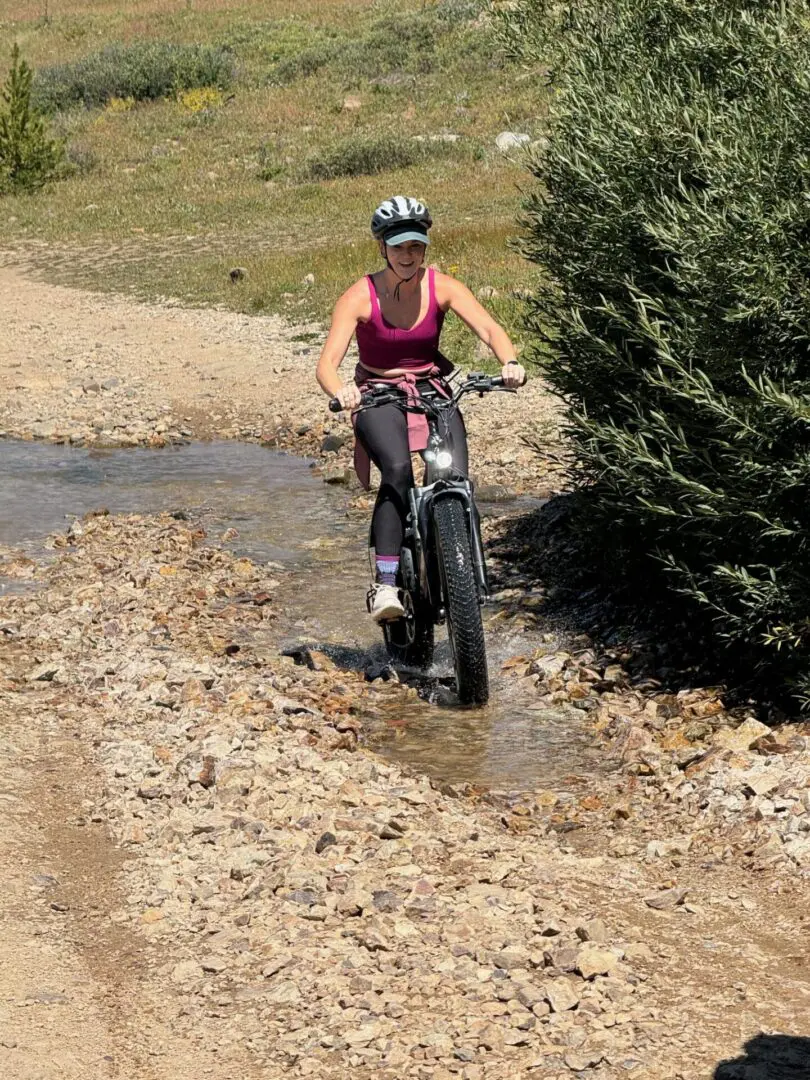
{"x":384,"y":603}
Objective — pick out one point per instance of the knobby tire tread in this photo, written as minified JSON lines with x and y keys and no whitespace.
{"x":461,"y":599}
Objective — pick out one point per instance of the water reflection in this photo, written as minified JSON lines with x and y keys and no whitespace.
{"x":272,"y":499}
{"x":282,"y":512}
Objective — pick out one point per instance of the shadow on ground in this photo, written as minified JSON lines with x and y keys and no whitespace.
{"x":590,"y":585}
{"x":549,"y":554}
{"x":769,"y":1057}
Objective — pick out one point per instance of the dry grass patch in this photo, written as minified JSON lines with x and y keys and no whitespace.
{"x":167,"y":196}
{"x":49,"y":10}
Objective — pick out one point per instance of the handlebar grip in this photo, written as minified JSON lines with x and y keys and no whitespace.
{"x":335,"y":406}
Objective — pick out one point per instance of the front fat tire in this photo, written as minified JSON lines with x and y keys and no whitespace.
{"x":461,"y":599}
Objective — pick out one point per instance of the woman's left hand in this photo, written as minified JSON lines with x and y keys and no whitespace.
{"x":513,"y":375}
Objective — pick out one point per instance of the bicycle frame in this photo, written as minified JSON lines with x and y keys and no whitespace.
{"x":440,"y":482}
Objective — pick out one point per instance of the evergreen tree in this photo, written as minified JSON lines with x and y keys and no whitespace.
{"x":28,"y":157}
{"x":672,"y":220}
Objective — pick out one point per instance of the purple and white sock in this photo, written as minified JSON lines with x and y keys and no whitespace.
{"x":387,"y":566}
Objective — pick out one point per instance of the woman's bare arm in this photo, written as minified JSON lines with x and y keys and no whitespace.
{"x":345,"y":317}
{"x":458,"y":298}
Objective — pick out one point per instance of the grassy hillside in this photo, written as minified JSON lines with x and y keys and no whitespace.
{"x":331,"y":106}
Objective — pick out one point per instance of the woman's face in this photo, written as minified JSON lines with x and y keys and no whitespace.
{"x":405,"y":258}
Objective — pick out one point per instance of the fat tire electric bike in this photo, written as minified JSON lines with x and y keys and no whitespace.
{"x":442,"y":573}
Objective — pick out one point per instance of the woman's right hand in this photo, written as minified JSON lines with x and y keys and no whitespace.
{"x":349,"y":396}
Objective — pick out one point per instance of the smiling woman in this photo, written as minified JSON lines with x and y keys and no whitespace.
{"x":397,"y":316}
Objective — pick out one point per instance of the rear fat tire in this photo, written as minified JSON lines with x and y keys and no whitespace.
{"x":464,"y":624}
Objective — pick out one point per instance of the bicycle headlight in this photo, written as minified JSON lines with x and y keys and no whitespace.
{"x":444,"y":459}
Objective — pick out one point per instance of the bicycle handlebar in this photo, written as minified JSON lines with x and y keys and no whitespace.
{"x":476,"y":382}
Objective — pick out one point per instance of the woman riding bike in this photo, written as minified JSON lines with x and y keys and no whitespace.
{"x":396,"y":315}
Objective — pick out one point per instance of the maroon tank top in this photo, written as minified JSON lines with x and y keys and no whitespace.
{"x":383,"y":346}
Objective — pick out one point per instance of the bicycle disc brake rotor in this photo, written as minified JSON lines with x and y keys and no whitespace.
{"x":408,"y":621}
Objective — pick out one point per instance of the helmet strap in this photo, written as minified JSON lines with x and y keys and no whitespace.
{"x":402,"y":281}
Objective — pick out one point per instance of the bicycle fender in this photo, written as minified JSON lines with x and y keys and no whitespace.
{"x":464,"y":495}
{"x":456,"y":490}
{"x":425,"y":509}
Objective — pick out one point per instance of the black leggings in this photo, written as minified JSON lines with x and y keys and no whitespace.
{"x":383,"y":433}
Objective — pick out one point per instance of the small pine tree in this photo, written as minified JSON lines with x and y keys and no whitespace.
{"x":28,"y":157}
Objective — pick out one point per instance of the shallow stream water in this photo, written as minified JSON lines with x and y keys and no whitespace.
{"x":283,"y":513}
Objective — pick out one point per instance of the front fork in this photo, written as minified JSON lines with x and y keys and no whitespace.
{"x":477,"y":548}
{"x":420,"y":499}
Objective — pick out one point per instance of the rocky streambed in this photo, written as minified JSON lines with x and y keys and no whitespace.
{"x":323,"y":907}
{"x":313,"y":909}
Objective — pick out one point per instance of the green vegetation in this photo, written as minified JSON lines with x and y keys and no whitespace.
{"x":142,"y":71}
{"x":671,"y":217}
{"x":28,"y":157}
{"x":408,"y":43}
{"x":280,"y":173}
{"x":370,"y":154}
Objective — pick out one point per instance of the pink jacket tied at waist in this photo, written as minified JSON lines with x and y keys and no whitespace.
{"x":417,"y":422}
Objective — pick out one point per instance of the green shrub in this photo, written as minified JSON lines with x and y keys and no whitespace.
{"x":142,"y":71}
{"x":397,"y":43}
{"x":29,"y":158}
{"x":436,"y":39}
{"x":461,"y":11}
{"x":366,"y":155}
{"x":363,"y":156}
{"x":302,"y":64}
{"x":672,"y":220}
{"x":407,"y":44}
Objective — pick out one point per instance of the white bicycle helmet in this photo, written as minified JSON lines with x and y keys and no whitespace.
{"x":400,"y":219}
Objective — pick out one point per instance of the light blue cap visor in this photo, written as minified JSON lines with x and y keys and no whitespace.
{"x":398,"y":238}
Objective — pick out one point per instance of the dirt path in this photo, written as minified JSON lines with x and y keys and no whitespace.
{"x":99,"y":370}
{"x":203,"y":876}
{"x":53,"y":1022}
{"x":78,"y":993}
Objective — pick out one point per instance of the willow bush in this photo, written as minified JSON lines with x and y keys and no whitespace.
{"x":672,"y":221}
